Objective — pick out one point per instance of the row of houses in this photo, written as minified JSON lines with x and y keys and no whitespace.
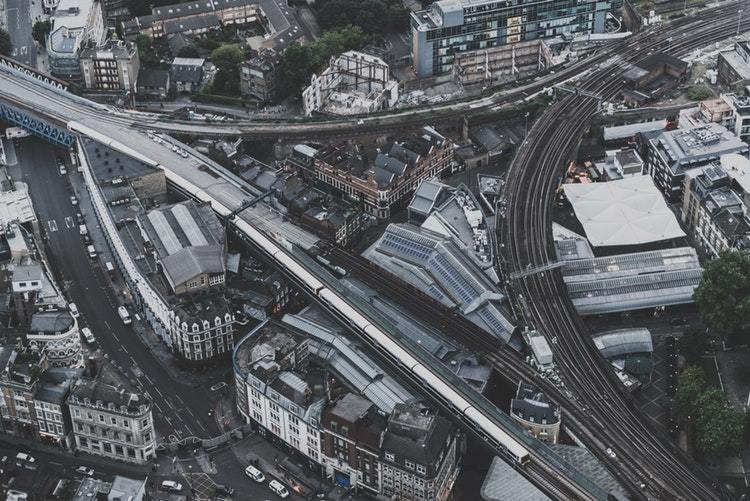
{"x":92,"y":409}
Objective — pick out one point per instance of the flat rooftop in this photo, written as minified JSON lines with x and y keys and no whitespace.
{"x":630,"y":211}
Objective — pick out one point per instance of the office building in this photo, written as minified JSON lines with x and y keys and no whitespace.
{"x":536,"y":413}
{"x":448,"y":27}
{"x":111,"y":419}
{"x":672,"y":153}
{"x":75,"y":24}
{"x":733,"y":65}
{"x":259,"y":75}
{"x":113,"y":66}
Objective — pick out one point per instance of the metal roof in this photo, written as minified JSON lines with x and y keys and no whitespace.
{"x":624,"y":342}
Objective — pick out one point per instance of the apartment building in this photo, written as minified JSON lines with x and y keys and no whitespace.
{"x":75,"y":24}
{"x":19,"y":381}
{"x":108,"y":418}
{"x":714,"y":207}
{"x":56,"y":333}
{"x":380,"y":177}
{"x":738,"y":120}
{"x":733,"y":65}
{"x":351,"y":428}
{"x":259,"y":75}
{"x":52,"y":416}
{"x":448,"y":27}
{"x":113,"y":66}
{"x":276,"y":391}
{"x":672,"y":153}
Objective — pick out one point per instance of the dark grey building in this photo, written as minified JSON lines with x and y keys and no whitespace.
{"x":259,"y":75}
{"x":153,"y":84}
{"x":419,"y":455}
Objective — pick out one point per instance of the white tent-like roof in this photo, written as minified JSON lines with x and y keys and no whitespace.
{"x":629,"y":211}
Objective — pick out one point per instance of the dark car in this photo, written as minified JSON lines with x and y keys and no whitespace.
{"x":225,"y":490}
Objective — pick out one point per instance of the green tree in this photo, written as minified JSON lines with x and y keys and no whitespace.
{"x":698,"y":93}
{"x":227,"y":57}
{"x":39,"y":32}
{"x":146,"y":52}
{"x":691,"y":385}
{"x":719,"y":426}
{"x":140,"y":7}
{"x":692,"y":345}
{"x":5,"y":44}
{"x":296,"y":66}
{"x":188,"y":51}
{"x":723,"y":295}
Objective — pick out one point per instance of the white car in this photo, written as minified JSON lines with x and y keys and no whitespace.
{"x":73,"y":200}
{"x":88,"y":335}
{"x":74,"y":310}
{"x":278,"y":488}
{"x":85,"y":470}
{"x":611,"y":453}
{"x":255,"y":474}
{"x":171,"y":485}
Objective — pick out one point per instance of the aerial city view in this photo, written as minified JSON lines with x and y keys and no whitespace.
{"x":436,"y":250}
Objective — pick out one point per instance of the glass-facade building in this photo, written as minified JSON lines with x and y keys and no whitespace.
{"x":450,"y":26}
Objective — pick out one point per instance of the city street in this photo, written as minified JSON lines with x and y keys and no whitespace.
{"x":181,"y":406}
{"x":21,"y":15}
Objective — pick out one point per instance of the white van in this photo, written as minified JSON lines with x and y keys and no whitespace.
{"x":74,"y":310}
{"x":88,"y":335}
{"x":124,"y":315}
{"x":92,"y":251}
{"x":22,"y":458}
{"x":171,"y":485}
{"x":278,"y":488}
{"x":255,"y":474}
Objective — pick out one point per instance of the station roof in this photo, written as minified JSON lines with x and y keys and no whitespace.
{"x":621,"y":342}
{"x":629,"y":211}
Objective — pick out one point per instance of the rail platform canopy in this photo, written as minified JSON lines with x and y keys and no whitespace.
{"x":629,"y":211}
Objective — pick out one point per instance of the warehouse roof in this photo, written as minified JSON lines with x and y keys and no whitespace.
{"x":629,"y":211}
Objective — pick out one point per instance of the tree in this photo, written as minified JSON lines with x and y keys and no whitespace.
{"x":296,"y":66}
{"x":188,"y":51}
{"x":698,"y":93}
{"x":691,"y":385}
{"x":39,"y":32}
{"x":227,"y":57}
{"x":719,"y":426}
{"x":5,"y":44}
{"x":692,"y":345}
{"x":146,"y":52}
{"x":723,"y":295}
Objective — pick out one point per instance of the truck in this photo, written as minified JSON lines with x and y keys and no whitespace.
{"x":124,"y":315}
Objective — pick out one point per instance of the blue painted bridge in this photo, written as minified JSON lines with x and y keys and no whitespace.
{"x":44,"y":129}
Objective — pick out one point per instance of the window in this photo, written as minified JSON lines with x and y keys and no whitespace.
{"x":409,"y":464}
{"x":114,"y":421}
{"x":389,"y":456}
{"x":334,"y":427}
{"x":126,"y":423}
{"x":344,"y":431}
{"x":421,"y":469}
{"x":101,"y":418}
{"x":144,"y":423}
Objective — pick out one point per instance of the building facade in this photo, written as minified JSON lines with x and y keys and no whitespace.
{"x":738,"y":120}
{"x":108,"y":420}
{"x":448,"y":27}
{"x":503,"y":63}
{"x":259,"y":75}
{"x":19,"y":381}
{"x":420,"y":456}
{"x":733,"y":65}
{"x":382,"y":179}
{"x":536,"y":413}
{"x":56,"y":333}
{"x":73,"y":25}
{"x":672,"y":153}
{"x":113,"y":66}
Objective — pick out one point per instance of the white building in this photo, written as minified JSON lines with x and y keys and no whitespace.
{"x":75,"y":23}
{"x":110,"y":420}
{"x":56,"y":333}
{"x":354,"y":83}
{"x":276,"y":392}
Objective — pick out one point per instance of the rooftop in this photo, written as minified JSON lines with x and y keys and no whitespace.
{"x":50,"y":322}
{"x":629,"y":211}
{"x":532,"y":405}
{"x":151,"y":78}
{"x":682,"y":149}
{"x":415,"y":432}
{"x":504,"y":483}
{"x":617,"y":343}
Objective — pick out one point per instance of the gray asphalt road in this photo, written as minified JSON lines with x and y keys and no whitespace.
{"x":179,"y":408}
{"x":20,"y":15}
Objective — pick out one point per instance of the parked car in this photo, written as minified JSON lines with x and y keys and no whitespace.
{"x":73,"y":310}
{"x":278,"y":488}
{"x":171,"y":485}
{"x":254,"y":473}
{"x":85,"y":470}
{"x":73,"y":200}
{"x":88,"y":335}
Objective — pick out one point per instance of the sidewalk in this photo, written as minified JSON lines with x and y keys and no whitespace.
{"x":162,"y":353}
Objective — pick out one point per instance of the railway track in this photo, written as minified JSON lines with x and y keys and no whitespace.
{"x":526,"y":229}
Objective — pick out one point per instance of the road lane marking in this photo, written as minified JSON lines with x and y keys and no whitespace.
{"x":69,"y":222}
{"x":52,"y":225}
{"x":158,"y":391}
